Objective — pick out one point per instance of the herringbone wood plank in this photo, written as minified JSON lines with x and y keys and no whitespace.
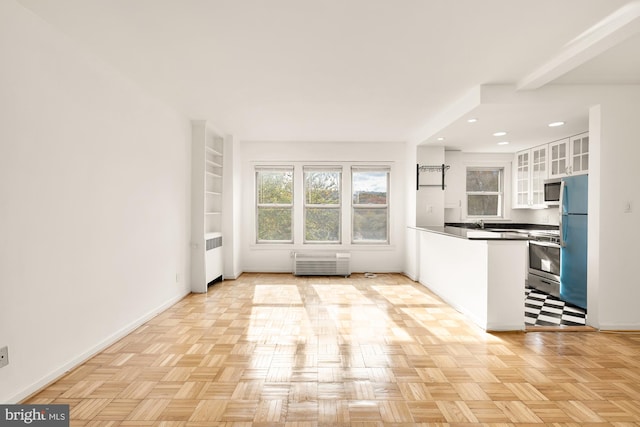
{"x":276,"y":350}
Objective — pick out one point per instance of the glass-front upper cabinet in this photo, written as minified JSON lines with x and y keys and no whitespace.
{"x":538,"y":175}
{"x":530,"y":173}
{"x":569,"y":156}
{"x":580,"y":154}
{"x":559,"y":158}
{"x":522,"y":179}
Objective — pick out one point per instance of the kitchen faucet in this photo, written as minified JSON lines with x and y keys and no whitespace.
{"x":480,"y":223}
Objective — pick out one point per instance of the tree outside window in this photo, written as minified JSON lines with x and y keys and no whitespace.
{"x":485,"y":192}
{"x":370,"y":205}
{"x":322,"y":205}
{"x":274,"y":200}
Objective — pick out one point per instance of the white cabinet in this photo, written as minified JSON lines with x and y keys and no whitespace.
{"x":559,"y":158}
{"x":522,"y":179}
{"x":206,"y":205}
{"x":569,"y":156}
{"x":580,"y":154}
{"x":530,"y":173}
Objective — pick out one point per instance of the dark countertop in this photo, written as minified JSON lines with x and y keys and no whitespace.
{"x":476,"y":233}
{"x":503,"y":225}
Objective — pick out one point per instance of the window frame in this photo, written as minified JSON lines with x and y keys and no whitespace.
{"x":501,"y":193}
{"x":298,"y":202}
{"x":306,"y":205}
{"x":291,"y":206}
{"x":385,"y":206}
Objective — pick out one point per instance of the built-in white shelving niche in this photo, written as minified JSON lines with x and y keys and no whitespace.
{"x":206,"y":205}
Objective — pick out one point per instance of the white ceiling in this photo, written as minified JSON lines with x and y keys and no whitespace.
{"x":618,"y":65}
{"x":526,"y":126}
{"x":343,"y":70}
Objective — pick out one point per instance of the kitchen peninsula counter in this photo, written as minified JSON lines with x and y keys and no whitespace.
{"x":481,"y":273}
{"x":475,"y":233}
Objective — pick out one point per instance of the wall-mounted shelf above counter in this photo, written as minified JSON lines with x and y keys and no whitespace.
{"x":442,"y":169}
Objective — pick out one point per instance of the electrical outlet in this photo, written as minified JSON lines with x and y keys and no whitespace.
{"x":4,"y":356}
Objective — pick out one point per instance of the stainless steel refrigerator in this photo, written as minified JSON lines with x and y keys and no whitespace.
{"x":573,"y":240}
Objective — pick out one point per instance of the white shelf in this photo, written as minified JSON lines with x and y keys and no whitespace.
{"x":207,"y":200}
{"x":212,"y":235}
{"x":213,"y":151}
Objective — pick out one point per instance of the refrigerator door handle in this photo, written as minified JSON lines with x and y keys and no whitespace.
{"x":561,"y":208}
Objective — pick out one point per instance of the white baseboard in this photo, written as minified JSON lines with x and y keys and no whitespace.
{"x":619,"y":327}
{"x":233,"y":276}
{"x":410,"y":276}
{"x":89,"y":353}
{"x":505,"y":327}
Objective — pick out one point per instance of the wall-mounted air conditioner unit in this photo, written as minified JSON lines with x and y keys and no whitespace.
{"x":319,"y":263}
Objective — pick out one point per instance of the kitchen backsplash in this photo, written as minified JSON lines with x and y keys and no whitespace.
{"x":536,"y":216}
{"x":522,"y":216}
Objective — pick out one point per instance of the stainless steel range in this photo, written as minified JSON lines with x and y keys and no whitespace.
{"x":544,"y":261}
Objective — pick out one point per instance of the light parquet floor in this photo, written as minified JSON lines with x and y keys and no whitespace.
{"x":275,"y":350}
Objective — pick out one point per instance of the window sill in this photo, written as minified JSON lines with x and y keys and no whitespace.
{"x":323,"y":247}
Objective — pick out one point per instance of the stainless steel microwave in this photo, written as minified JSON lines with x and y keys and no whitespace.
{"x":552,"y":189}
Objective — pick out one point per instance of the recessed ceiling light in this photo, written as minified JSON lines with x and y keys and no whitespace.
{"x":472,"y":120}
{"x":501,"y":133}
{"x":441,"y":138}
{"x":555,"y":124}
{"x":503,"y":143}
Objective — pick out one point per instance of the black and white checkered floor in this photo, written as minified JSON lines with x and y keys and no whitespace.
{"x":541,"y":309}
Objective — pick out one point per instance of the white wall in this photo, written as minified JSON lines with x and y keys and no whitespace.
{"x":94,"y":214}
{"x":231,"y":220}
{"x":430,"y":197}
{"x":412,"y":241}
{"x":486,"y":290}
{"x":364,"y":258}
{"x":455,"y":193}
{"x":613,"y":283}
{"x":457,"y":271}
{"x":548,"y":216}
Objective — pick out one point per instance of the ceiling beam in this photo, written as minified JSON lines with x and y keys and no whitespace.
{"x":615,"y":28}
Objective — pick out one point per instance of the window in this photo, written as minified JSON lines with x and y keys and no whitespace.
{"x":485,"y":192}
{"x":370,"y":205}
{"x":274,"y":201}
{"x":303,"y":204}
{"x":322,"y":207}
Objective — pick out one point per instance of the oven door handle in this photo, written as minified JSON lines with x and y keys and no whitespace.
{"x":547,"y":244}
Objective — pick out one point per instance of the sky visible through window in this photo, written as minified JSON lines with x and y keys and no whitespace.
{"x":370,"y":181}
